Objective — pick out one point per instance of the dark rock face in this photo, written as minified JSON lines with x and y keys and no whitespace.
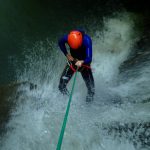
{"x":8,"y":99}
{"x":137,"y":133}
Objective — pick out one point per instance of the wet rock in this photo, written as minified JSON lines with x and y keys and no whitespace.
{"x":136,"y":132}
{"x":8,"y":99}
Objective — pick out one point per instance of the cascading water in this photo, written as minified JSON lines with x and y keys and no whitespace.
{"x":37,"y":118}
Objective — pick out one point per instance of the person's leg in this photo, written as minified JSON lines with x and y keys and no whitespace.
{"x":64,"y":79}
{"x":89,"y":81}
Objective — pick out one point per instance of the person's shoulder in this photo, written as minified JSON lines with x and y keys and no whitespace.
{"x":87,"y":38}
{"x":64,"y":38}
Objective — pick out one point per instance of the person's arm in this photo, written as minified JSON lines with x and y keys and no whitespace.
{"x":63,"y":48}
{"x":62,"y":45}
{"x":88,"y":44}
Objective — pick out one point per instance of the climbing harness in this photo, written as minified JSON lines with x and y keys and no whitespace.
{"x":72,"y":66}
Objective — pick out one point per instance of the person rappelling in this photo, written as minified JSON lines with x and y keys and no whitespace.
{"x":80,"y":56}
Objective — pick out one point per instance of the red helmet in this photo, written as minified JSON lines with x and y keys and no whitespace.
{"x":75,"y":39}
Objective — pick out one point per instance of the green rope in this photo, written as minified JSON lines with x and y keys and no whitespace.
{"x":66,"y":116}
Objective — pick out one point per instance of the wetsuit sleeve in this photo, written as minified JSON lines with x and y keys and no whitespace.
{"x":62,"y":45}
{"x":88,"y":45}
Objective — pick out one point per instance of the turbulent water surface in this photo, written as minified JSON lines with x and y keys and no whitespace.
{"x":117,"y":119}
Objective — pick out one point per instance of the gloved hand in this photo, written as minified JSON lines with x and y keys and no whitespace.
{"x":79,"y":63}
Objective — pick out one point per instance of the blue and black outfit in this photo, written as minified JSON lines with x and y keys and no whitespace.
{"x":82,"y":53}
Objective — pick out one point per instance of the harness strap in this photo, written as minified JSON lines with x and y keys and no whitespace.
{"x":86,"y":66}
{"x":71,"y":66}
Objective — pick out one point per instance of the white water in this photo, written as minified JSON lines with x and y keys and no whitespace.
{"x":35,"y":123}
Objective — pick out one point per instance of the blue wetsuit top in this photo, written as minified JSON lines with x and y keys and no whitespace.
{"x":83,"y":53}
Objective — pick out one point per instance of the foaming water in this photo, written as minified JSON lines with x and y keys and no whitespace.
{"x":36,"y":122}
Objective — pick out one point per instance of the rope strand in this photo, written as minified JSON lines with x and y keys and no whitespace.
{"x":66,"y":116}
